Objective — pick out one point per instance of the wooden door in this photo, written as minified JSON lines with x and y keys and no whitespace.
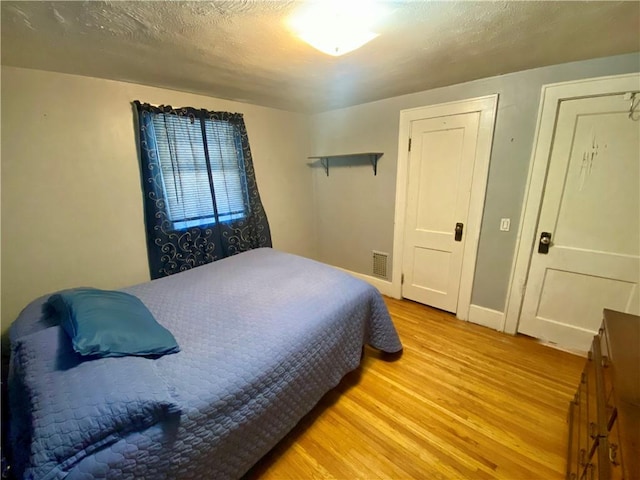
{"x":440,"y":172}
{"x":591,"y":215}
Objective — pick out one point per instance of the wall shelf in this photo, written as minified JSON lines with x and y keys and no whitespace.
{"x":372,"y":156}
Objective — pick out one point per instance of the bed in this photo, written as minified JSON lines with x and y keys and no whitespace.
{"x":263,"y":336}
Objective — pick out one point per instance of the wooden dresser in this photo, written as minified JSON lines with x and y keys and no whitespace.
{"x":604,"y":416}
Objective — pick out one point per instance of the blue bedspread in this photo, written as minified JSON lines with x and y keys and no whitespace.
{"x":263,"y":336}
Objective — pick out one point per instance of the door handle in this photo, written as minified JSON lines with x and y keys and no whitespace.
{"x":458,"y":231}
{"x":545,"y":242}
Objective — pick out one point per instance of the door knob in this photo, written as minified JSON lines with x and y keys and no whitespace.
{"x":545,"y":242}
{"x":458,"y":232}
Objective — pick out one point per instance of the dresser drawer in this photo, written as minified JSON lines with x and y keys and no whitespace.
{"x":607,"y":371}
{"x":573,"y":467}
{"x":596,"y":398}
{"x":591,"y":399}
{"x":614,"y":454}
{"x":594,"y":469}
{"x":585,"y":441}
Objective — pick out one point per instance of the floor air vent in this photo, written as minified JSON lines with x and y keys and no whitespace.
{"x":380,"y":264}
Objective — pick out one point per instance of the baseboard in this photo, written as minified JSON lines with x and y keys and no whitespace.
{"x":562,"y":336}
{"x":575,"y":351}
{"x":383,"y":286}
{"x":486,"y":317}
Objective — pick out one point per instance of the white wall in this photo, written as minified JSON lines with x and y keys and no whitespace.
{"x":355,"y":210}
{"x":71,"y":196}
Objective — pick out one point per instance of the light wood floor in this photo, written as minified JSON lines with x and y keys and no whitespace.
{"x":462,"y":401}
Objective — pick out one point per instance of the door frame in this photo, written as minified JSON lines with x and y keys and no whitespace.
{"x":550,"y":98}
{"x":487,"y":107}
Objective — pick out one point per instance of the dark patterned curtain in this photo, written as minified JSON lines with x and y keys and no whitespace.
{"x":201,"y":201}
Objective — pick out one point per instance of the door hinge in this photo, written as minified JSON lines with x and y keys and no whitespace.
{"x":402,"y":279}
{"x":409,"y":143}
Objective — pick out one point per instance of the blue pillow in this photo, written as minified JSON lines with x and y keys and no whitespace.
{"x":107,"y":323}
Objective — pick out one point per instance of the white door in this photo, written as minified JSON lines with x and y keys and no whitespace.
{"x":440,"y":172}
{"x":591,"y":210}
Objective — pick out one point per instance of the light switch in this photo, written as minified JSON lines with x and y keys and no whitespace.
{"x":505,"y":224}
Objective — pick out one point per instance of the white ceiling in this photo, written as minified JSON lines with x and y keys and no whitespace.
{"x":243,"y":50}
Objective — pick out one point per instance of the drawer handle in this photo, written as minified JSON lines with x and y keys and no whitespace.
{"x":613,"y":454}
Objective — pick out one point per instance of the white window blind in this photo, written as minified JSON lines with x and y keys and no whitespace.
{"x":188,"y":189}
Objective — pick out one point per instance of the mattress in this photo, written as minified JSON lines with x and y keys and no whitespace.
{"x":263,"y":336}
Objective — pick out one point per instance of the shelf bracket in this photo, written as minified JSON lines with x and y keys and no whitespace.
{"x":324,"y":161}
{"x":373,"y":158}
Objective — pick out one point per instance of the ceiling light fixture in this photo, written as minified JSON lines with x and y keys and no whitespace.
{"x":337,"y":27}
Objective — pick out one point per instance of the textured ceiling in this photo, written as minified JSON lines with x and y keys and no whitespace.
{"x":244,"y":50}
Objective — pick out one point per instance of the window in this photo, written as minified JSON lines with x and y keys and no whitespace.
{"x":201,"y":200}
{"x":202,"y":169}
